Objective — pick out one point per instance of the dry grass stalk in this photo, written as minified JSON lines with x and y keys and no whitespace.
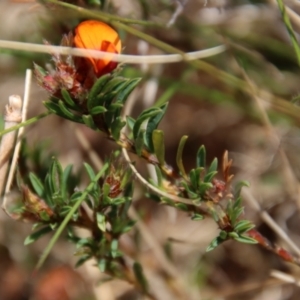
{"x":20,"y":116}
{"x":13,"y":116}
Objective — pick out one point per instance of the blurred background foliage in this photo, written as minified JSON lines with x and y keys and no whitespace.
{"x":209,"y":110}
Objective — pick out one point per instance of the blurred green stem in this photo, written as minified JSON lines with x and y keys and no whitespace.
{"x":26,"y":123}
{"x":289,"y":28}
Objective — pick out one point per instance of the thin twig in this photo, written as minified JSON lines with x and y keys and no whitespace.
{"x":124,"y":58}
{"x":26,"y":123}
{"x":285,"y":277}
{"x":20,"y":134}
{"x":177,"y":12}
{"x":11,"y":118}
{"x":151,"y":187}
{"x":247,"y":195}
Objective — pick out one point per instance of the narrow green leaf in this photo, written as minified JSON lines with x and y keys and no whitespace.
{"x":130,"y":122}
{"x":153,"y":123}
{"x":238,"y":188}
{"x":101,"y":222}
{"x":209,"y":176}
{"x":69,"y":101}
{"x":82,"y":260}
{"x":105,"y":191}
{"x":56,"y":109}
{"x":115,"y":107}
{"x":201,"y":157}
{"x":109,"y":117}
{"x":128,"y":226}
{"x":44,"y":216}
{"x":66,"y":176}
{"x":203,"y":187}
{"x":128,"y":192}
{"x":130,"y":86}
{"x":158,"y":175}
{"x":126,"y":178}
{"x":118,"y":201}
{"x":194,"y":178}
{"x":243,"y":226}
{"x":116,"y":127}
{"x":49,"y":190}
{"x":64,"y":210}
{"x":52,"y":107}
{"x":67,"y":113}
{"x":146,"y":114}
{"x":90,"y":171}
{"x":106,"y":99}
{"x":197,"y":217}
{"x":191,"y":194}
{"x":214,"y":215}
{"x":236,"y":213}
{"x":167,"y":201}
{"x":114,"y":84}
{"x":96,"y":90}
{"x":233,"y":234}
{"x":159,"y":145}
{"x":75,"y":197}
{"x":237,"y":203}
{"x":84,"y":242}
{"x":102,"y":265}
{"x":36,"y":235}
{"x":96,"y":110}
{"x":214,"y":243}
{"x":139,"y":142}
{"x":53,"y":226}
{"x":139,"y":275}
{"x":39,"y":69}
{"x":56,"y":174}
{"x":114,"y":248}
{"x":179,"y":156}
{"x":37,"y":184}
{"x":223,"y":235}
{"x":37,"y":225}
{"x":113,"y":114}
{"x":89,"y":122}
{"x":214,"y":166}
{"x":245,"y":239}
{"x":182,"y":206}
{"x":229,"y":207}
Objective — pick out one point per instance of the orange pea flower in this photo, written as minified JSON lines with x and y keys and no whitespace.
{"x":96,"y":35}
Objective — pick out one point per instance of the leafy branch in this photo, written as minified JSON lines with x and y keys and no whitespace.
{"x":53,"y":203}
